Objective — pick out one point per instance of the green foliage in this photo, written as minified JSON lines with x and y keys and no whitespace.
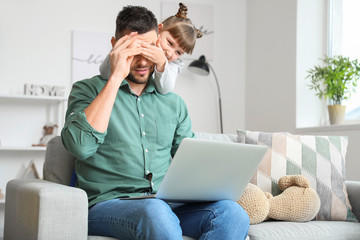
{"x":336,"y":80}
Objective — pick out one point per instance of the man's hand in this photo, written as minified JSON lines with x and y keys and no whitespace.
{"x":99,"y":111}
{"x":154,"y":54}
{"x":122,"y":55}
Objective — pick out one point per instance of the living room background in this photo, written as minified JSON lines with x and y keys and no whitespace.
{"x":261,"y":54}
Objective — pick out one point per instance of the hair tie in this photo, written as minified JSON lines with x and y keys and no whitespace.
{"x":199,"y":33}
{"x":182,"y":12}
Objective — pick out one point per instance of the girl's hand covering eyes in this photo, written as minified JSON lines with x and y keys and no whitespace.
{"x":154,"y":54}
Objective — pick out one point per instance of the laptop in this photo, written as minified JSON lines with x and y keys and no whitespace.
{"x":207,"y":170}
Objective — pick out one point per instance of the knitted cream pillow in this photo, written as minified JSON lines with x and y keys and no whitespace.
{"x":321,"y":159}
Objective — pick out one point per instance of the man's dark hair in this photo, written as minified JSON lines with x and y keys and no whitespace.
{"x":136,"y":19}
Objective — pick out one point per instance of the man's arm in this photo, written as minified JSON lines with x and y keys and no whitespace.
{"x":78,"y":137}
{"x":89,"y":111}
{"x":99,"y":111}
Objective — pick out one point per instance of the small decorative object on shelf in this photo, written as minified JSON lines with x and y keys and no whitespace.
{"x":31,"y":172}
{"x":44,"y":90}
{"x":2,"y":196}
{"x":49,"y":133}
{"x":335,"y":81}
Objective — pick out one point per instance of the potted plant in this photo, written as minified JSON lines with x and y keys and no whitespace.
{"x":335,"y":81}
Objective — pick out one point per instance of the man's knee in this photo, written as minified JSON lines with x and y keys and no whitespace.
{"x":156,"y":207}
{"x":159,"y":221}
{"x":234,"y":211}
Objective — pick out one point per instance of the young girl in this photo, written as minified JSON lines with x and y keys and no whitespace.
{"x":177,"y":35}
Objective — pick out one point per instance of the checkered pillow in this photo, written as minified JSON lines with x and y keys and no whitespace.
{"x":319,"y":158}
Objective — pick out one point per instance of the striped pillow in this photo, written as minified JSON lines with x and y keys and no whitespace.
{"x":319,"y":158}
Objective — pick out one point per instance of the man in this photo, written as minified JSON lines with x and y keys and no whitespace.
{"x":123,"y":134}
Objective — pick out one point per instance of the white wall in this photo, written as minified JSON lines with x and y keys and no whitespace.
{"x":35,"y":47}
{"x":283,"y":40}
{"x":270,"y":65}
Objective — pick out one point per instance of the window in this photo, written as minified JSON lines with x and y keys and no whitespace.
{"x":344,"y":39}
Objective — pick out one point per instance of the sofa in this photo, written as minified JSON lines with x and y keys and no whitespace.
{"x":50,"y":209}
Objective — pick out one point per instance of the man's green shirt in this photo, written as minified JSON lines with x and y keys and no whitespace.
{"x":144,"y":132}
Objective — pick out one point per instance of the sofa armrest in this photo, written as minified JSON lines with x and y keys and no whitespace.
{"x":353,"y":189}
{"x":38,"y":209}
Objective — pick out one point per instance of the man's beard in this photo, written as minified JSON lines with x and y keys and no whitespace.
{"x":133,"y":79}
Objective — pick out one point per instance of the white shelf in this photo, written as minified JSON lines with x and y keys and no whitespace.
{"x":21,"y":112}
{"x":29,"y":97}
{"x":22,"y":148}
{"x":330,"y":128}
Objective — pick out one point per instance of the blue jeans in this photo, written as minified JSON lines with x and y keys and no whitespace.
{"x":156,"y":219}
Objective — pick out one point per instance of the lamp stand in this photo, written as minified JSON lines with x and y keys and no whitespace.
{"x":218,"y":89}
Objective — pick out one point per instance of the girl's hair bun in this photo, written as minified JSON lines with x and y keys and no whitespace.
{"x":182,"y":12}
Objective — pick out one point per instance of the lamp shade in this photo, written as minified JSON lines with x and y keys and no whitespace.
{"x":199,"y":66}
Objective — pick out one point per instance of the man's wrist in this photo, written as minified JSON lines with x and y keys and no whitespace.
{"x":116,"y":78}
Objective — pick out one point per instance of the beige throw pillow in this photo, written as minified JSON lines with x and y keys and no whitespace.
{"x":319,"y":158}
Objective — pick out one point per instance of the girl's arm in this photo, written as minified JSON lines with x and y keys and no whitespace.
{"x":165,"y":81}
{"x":105,"y":68}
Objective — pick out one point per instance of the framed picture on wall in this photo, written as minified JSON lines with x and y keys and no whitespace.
{"x":202,"y":16}
{"x":89,"y":50}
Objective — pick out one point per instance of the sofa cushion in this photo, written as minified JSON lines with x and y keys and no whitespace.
{"x":313,"y":230}
{"x":59,"y":163}
{"x":217,"y":136}
{"x":319,"y":158}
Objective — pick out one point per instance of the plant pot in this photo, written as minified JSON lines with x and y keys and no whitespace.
{"x":336,"y":114}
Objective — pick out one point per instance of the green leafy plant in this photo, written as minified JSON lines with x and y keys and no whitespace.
{"x":336,"y":80}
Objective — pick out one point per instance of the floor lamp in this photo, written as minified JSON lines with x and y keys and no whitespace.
{"x":201,"y":67}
